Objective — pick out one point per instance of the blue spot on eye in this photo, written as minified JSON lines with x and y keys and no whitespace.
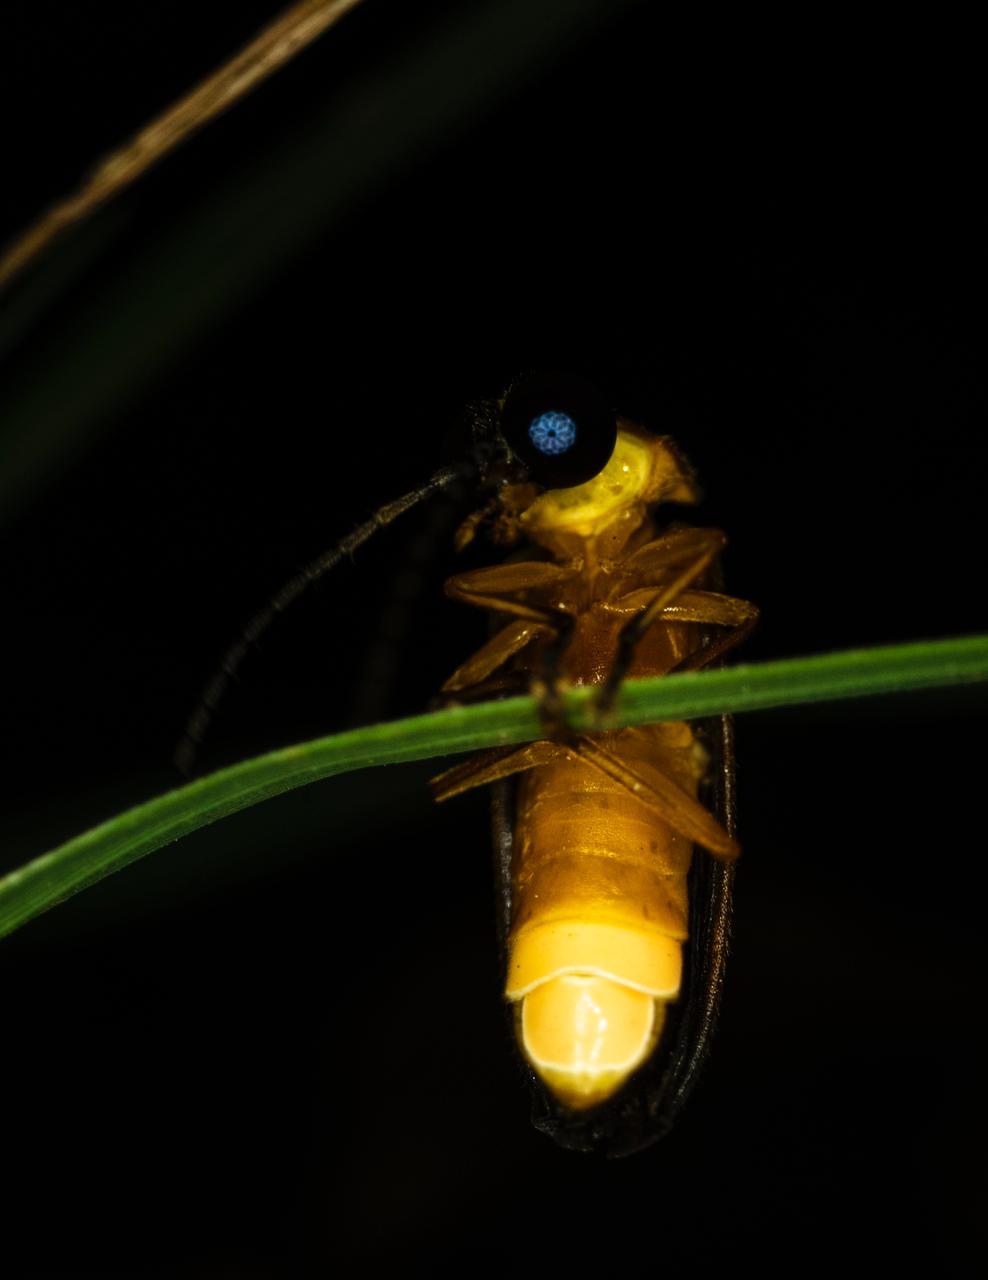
{"x":552,"y":433}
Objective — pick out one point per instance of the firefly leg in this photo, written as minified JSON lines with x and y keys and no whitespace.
{"x":654,"y":788}
{"x":509,"y":685}
{"x":708,"y":546}
{"x":675,"y":547}
{"x":710,"y":607}
{"x":494,"y":654}
{"x":666,"y":797}
{"x":492,"y":766}
{"x":726,"y":611}
{"x":546,"y":685}
{"x":492,"y":589}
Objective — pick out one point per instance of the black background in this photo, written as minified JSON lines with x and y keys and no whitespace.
{"x":278,"y":1045}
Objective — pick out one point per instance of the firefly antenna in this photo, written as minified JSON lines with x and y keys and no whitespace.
{"x":212,"y":694}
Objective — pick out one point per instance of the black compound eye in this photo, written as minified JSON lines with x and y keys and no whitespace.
{"x":560,"y":427}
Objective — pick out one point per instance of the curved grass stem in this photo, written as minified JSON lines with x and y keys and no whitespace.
{"x":55,"y":876}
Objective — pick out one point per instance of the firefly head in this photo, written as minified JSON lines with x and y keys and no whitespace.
{"x":599,"y":473}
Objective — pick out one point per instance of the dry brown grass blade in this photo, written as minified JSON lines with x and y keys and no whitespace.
{"x":276,"y":45}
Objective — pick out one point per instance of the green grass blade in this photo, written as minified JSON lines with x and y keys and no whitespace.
{"x":47,"y":880}
{"x":826,"y":677}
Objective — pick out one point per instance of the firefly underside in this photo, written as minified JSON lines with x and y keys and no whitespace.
{"x":603,"y":826}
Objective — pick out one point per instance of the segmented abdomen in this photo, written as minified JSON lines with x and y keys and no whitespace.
{"x":599,"y":879}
